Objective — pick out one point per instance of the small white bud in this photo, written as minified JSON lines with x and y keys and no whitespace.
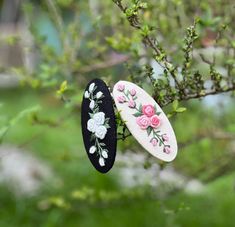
{"x":104,"y":154}
{"x":86,"y":95}
{"x":101,"y":161}
{"x":99,"y":94}
{"x":92,"y":104}
{"x":91,"y":87}
{"x":92,"y":150}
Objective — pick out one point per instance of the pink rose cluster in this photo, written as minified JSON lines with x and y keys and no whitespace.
{"x":149,"y":117}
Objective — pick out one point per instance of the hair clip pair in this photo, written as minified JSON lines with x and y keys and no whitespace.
{"x":142,"y":115}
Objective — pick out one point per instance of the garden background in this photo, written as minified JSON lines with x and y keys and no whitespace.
{"x":181,"y":52}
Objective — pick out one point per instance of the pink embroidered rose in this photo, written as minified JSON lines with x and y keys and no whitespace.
{"x":154,"y":142}
{"x":155,"y":121}
{"x":165,"y":138}
{"x":167,"y":150}
{"x":143,"y":121}
{"x":121,"y":99}
{"x":148,"y":110}
{"x":131,"y":103}
{"x":120,"y":87}
{"x":133,"y":92}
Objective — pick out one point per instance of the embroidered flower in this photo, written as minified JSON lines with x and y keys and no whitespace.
{"x":154,"y":142}
{"x":147,"y":117}
{"x":91,"y":125}
{"x":99,"y":118}
{"x":143,"y":121}
{"x":133,"y":92}
{"x":121,"y":99}
{"x":104,"y":154}
{"x":92,"y":104}
{"x":87,"y":94}
{"x":101,"y":161}
{"x":120,"y":87}
{"x":167,"y":150}
{"x":91,"y":87}
{"x":97,"y":124}
{"x":99,"y":95}
{"x":155,"y":121}
{"x":92,"y":149}
{"x":131,"y":103}
{"x":100,"y":132}
{"x":148,"y":110}
{"x":165,"y":138}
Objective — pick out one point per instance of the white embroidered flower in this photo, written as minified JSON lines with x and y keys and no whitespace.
{"x":99,"y":94}
{"x":100,"y":132}
{"x":92,"y":104}
{"x":91,"y":125}
{"x":87,"y":94}
{"x":99,"y":118}
{"x":104,"y":154}
{"x":92,"y":150}
{"x":101,"y":161}
{"x":91,"y":87}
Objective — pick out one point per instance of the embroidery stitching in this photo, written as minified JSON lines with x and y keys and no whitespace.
{"x":147,"y":117}
{"x":98,"y":124}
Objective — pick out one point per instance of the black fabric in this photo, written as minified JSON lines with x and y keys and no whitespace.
{"x":110,"y":139}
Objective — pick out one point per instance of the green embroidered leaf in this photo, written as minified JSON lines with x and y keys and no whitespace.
{"x":149,"y":130}
{"x":158,"y":113}
{"x":102,"y":144}
{"x":107,"y":126}
{"x":106,"y":120}
{"x":137,"y":114}
{"x":91,"y":115}
{"x":155,"y":108}
{"x":92,"y":137}
{"x":140,"y":108}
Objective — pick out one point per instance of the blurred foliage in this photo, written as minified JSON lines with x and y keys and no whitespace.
{"x":176,"y":50}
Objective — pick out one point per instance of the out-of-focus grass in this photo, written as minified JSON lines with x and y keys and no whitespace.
{"x":61,"y":147}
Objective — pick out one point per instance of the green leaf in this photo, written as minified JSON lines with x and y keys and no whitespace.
{"x":140,"y":108}
{"x":63,"y":88}
{"x":14,"y":120}
{"x":181,"y":109}
{"x":137,"y":114}
{"x":149,"y":130}
{"x":175,"y":105}
{"x":107,"y":126}
{"x":106,"y":120}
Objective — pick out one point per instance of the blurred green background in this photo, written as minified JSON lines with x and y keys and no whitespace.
{"x":46,"y":178}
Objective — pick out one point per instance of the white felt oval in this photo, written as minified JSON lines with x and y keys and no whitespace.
{"x":145,"y":120}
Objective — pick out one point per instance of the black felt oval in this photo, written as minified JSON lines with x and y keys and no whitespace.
{"x":99,"y":125}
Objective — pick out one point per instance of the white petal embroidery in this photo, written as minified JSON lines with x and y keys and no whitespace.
{"x":100,"y":132}
{"x":97,"y":124}
{"x":91,"y":125}
{"x":91,"y":87}
{"x":99,"y":95}
{"x":87,"y":94}
{"x":99,"y":118}
{"x":104,"y":154}
{"x":101,"y":161}
{"x":92,"y":104}
{"x":92,"y":150}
